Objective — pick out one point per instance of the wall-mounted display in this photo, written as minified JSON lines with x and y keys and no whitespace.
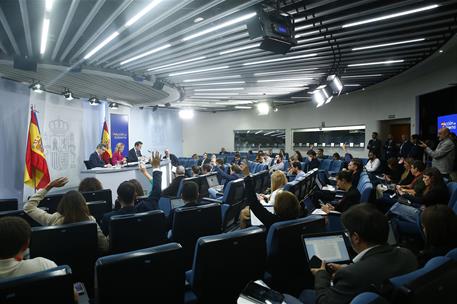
{"x":246,"y":140}
{"x":352,"y":136}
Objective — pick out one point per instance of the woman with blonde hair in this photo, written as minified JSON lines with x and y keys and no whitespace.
{"x":117,"y":154}
{"x":72,"y":208}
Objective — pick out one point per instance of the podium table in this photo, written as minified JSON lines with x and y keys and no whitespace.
{"x":112,"y":177}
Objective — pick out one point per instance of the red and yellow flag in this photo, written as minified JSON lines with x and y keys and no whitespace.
{"x":106,"y":139}
{"x":36,"y":173}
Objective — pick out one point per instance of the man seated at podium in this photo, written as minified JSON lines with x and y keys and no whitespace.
{"x":95,"y":159}
{"x":135,"y":152}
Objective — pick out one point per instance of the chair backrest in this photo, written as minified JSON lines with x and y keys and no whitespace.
{"x":97,"y":209}
{"x":369,"y":298}
{"x":259,"y":180}
{"x":72,"y":244}
{"x":8,"y":204}
{"x":325,"y":164}
{"x":22,"y":214}
{"x":285,"y":253}
{"x":50,"y":202}
{"x":137,"y":231}
{"x":100,"y":195}
{"x":203,"y":184}
{"x":191,"y":223}
{"x":87,"y":164}
{"x":366,"y":192}
{"x":225,"y":263}
{"x":50,"y":286}
{"x":336,"y":165}
{"x":151,"y":275}
{"x":234,"y":192}
{"x":434,"y":283}
{"x":195,"y":179}
{"x":452,"y":187}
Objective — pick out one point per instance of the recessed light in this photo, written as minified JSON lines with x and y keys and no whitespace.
{"x":177,"y":63}
{"x":199,"y":71}
{"x":142,"y":12}
{"x":212,"y":78}
{"x":241,"y":48}
{"x":387,"y":44}
{"x":376,"y":63}
{"x":441,"y":51}
{"x":199,"y":19}
{"x":102,"y":44}
{"x":280,"y":59}
{"x":146,"y":53}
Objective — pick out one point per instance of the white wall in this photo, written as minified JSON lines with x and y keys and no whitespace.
{"x":396,"y":96}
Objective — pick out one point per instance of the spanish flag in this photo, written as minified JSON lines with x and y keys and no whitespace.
{"x":36,"y":173}
{"x":106,"y":140}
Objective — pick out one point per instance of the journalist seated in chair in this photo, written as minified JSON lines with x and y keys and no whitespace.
{"x":278,"y":163}
{"x":313,"y":162}
{"x":14,"y":239}
{"x":72,"y":208}
{"x":235,"y":173}
{"x":244,"y":166}
{"x":374,"y":164}
{"x":278,"y":180}
{"x":351,"y":195}
{"x":189,"y":196}
{"x":296,"y":171}
{"x":90,"y":184}
{"x":375,"y":262}
{"x":413,"y":191}
{"x":399,"y":175}
{"x":172,"y":189}
{"x":286,"y":205}
{"x":435,"y":192}
{"x":439,"y":224}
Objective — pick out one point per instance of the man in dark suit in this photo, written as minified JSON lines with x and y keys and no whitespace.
{"x":416,"y":152}
{"x":172,"y":189}
{"x":95,"y":159}
{"x":126,"y":196}
{"x":405,"y":146}
{"x":173,"y":159}
{"x":135,"y":152}
{"x":374,"y":144}
{"x":189,"y":196}
{"x":313,"y":161}
{"x":375,"y":262}
{"x":204,"y":160}
{"x":351,"y":195}
{"x":390,"y":148}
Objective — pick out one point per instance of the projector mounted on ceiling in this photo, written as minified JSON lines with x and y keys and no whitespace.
{"x":275,"y":28}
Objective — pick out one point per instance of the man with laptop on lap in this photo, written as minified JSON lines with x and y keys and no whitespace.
{"x":367,"y":230}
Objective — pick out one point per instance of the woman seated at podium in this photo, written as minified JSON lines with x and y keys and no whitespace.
{"x":117,"y":155}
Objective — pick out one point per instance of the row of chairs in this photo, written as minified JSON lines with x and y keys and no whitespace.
{"x":303,"y":187}
{"x":256,"y":167}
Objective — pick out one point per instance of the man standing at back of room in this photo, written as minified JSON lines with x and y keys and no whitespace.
{"x":444,"y":154}
{"x":374,"y":144}
{"x":135,"y":152}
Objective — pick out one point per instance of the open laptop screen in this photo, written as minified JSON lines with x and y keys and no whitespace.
{"x":212,"y":180}
{"x":329,"y":248}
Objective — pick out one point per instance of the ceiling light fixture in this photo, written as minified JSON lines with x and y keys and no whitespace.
{"x":219,"y":89}
{"x":113,"y":105}
{"x":68,"y":95}
{"x":176,"y":63}
{"x":93,"y":101}
{"x":44,"y":35}
{"x":362,"y":76}
{"x":48,"y":5}
{"x":276,"y":109}
{"x":216,"y":83}
{"x":216,"y":94}
{"x":142,"y":12}
{"x":37,"y":87}
{"x":284,"y":79}
{"x":280,"y":59}
{"x":376,"y":63}
{"x":408,"y":12}
{"x":212,"y":78}
{"x":198,"y":19}
{"x":263,"y":108}
{"x":102,"y":44}
{"x":302,"y":27}
{"x":218,"y":27}
{"x":186,"y":114}
{"x":283,"y":72}
{"x":199,"y":71}
{"x":243,"y":107}
{"x":387,"y":44}
{"x":241,"y":48}
{"x":352,"y":85}
{"x":146,"y":53}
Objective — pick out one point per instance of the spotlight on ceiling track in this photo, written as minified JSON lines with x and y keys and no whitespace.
{"x":113,"y":105}
{"x":325,"y":93}
{"x":275,"y":109}
{"x":93,"y":101}
{"x":37,"y":87}
{"x":335,"y":84}
{"x":263,"y":108}
{"x":68,"y":95}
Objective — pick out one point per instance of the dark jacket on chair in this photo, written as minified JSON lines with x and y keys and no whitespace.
{"x":350,"y":198}
{"x":377,"y":265}
{"x":95,"y":161}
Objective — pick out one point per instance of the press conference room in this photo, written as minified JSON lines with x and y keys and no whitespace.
{"x":228,"y":151}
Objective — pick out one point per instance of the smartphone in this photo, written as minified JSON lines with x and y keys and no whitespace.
{"x":315,"y":262}
{"x":261,"y":294}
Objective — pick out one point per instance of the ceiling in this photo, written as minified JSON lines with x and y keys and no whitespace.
{"x":118,"y":49}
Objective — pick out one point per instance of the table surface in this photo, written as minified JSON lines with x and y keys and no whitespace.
{"x":122,"y":169}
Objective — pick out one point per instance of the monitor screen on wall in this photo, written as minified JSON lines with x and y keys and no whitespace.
{"x":448,"y":121}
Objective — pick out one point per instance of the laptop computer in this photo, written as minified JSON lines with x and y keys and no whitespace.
{"x":213,"y":182}
{"x":329,"y":247}
{"x":176,"y":203}
{"x":255,"y":221}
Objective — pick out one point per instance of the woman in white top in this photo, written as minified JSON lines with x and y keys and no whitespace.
{"x":278,"y":180}
{"x":71,"y":209}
